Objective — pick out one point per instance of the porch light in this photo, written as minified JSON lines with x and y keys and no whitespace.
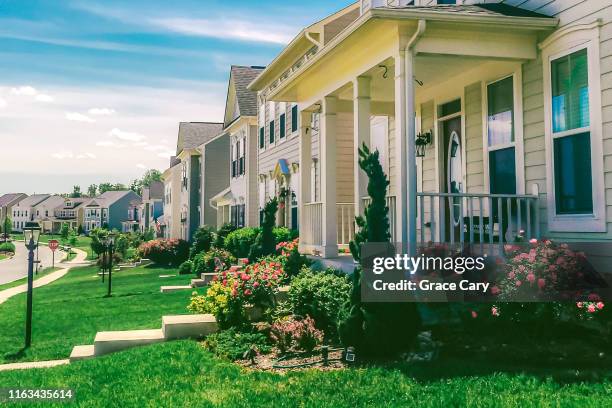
{"x":31,"y":232}
{"x":422,"y":141}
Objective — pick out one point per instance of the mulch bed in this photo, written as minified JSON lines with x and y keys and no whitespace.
{"x":267,"y":362}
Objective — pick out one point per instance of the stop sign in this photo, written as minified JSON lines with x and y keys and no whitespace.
{"x":53,"y":245}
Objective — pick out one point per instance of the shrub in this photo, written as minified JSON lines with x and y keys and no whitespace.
{"x":165,"y":251}
{"x":185,"y":268}
{"x":202,"y":241}
{"x":321,"y":295}
{"x":204,"y":262}
{"x":233,"y":343}
{"x":265,"y":243}
{"x":296,"y":334}
{"x":230,"y":292}
{"x":239,"y":242}
{"x":102,"y":261}
{"x":121,"y":245}
{"x":284,"y":234}
{"x":7,"y":247}
{"x":290,"y":257}
{"x":222,"y":233}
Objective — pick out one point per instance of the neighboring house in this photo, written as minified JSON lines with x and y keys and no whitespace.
{"x":170,"y":224}
{"x":70,"y":211}
{"x":7,"y":201}
{"x":44,"y":212}
{"x":510,"y":105}
{"x":24,"y":211}
{"x":152,"y":207}
{"x":215,"y":177}
{"x":134,"y":216}
{"x":188,"y":202}
{"x":110,"y":210}
{"x":239,"y":203}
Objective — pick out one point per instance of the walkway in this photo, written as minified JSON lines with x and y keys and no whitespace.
{"x":79,"y":260}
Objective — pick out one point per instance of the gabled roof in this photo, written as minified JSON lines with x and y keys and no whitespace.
{"x":6,"y":199}
{"x":240,"y":101}
{"x":33,"y":200}
{"x":110,"y":197}
{"x":52,"y":201}
{"x":193,"y":134}
{"x":154,"y":192}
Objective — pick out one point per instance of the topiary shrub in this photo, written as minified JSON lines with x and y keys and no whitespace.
{"x":240,"y":241}
{"x":204,"y":262}
{"x":295,"y":334}
{"x":222,"y":233}
{"x":376,"y":329}
{"x":185,"y":268}
{"x":202,"y":240}
{"x":7,"y":247}
{"x":165,"y":252}
{"x":265,"y":244}
{"x":321,"y":295}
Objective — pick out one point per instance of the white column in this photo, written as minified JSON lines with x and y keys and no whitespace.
{"x":328,"y":176}
{"x":304,"y":195}
{"x":361,"y":135}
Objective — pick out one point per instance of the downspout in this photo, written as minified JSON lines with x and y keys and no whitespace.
{"x":410,"y":163}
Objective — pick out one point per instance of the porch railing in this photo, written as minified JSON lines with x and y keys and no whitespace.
{"x":312,"y":231}
{"x":476,"y":218}
{"x":391,"y":204}
{"x":346,"y":222}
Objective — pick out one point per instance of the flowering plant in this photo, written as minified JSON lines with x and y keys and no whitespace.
{"x":296,"y":334}
{"x":285,"y":248}
{"x":589,"y":309}
{"x":165,"y":251}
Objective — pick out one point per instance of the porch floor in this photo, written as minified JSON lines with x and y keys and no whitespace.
{"x":343,"y":262}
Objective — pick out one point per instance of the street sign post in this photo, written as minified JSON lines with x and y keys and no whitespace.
{"x":53,"y":245}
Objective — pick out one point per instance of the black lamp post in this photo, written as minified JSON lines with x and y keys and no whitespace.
{"x":111,"y":250}
{"x":31,"y":232}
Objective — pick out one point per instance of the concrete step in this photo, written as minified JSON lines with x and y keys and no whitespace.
{"x":109,"y":342}
{"x":197,"y":283}
{"x":188,"y":326}
{"x":169,"y":289}
{"x":208,"y":278}
{"x":82,"y":353}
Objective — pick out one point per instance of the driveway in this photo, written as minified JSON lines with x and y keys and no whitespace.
{"x":17,"y":267}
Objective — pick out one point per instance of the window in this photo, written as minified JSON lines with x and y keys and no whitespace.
{"x":294,"y":118}
{"x":272,"y":132}
{"x":262,"y":137}
{"x":282,"y":124}
{"x":501,"y":137}
{"x":241,"y":150}
{"x":235,"y":160}
{"x":447,"y":1}
{"x":450,"y":108}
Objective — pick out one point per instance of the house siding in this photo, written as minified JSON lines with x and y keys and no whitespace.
{"x":473,"y":137}
{"x":215,"y":175}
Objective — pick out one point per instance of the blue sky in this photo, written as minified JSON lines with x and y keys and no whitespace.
{"x":92,"y":91}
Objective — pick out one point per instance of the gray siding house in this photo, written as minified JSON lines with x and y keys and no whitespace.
{"x":110,"y":210}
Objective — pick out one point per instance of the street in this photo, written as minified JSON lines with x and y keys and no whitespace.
{"x":17,"y":267}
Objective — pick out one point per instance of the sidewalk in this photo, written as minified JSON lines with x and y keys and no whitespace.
{"x":79,"y":260}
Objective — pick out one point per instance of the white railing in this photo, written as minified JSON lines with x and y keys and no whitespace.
{"x":312,"y":232}
{"x":346,"y":222}
{"x":391,"y":204}
{"x":476,"y":218}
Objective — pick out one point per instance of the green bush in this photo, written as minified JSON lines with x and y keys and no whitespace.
{"x":233,"y":343}
{"x":239,"y":242}
{"x":284,"y":234}
{"x":202,"y":241}
{"x":7,"y":247}
{"x":222,"y":233}
{"x":185,"y":268}
{"x":204,"y":262}
{"x":265,"y":243}
{"x":321,"y":295}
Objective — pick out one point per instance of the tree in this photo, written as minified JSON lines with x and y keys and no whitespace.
{"x":65,"y":231}
{"x":376,"y":329}
{"x":150,"y":176}
{"x":7,"y":225}
{"x":265,"y":244}
{"x":104,"y":187}
{"x":76,"y":192}
{"x":92,"y":190}
{"x":202,"y":240}
{"x":149,"y":235}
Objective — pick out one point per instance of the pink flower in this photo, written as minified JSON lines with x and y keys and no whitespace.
{"x":531,"y":277}
{"x":579,"y":305}
{"x":494,"y":311}
{"x":247,"y":292}
{"x":255,"y":284}
{"x":591,"y":308}
{"x":600,"y":305}
{"x":474,"y":314}
{"x":518,"y":283}
{"x":533,"y":241}
{"x":593,"y":297}
{"x":511,"y":275}
{"x":541,"y":283}
{"x":495,"y":291}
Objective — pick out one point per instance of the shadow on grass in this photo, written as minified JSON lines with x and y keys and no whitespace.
{"x":16,"y":356}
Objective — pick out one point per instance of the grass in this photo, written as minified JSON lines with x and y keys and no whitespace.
{"x":21,"y":281}
{"x":3,"y":256}
{"x":183,"y":374}
{"x":69,"y":311}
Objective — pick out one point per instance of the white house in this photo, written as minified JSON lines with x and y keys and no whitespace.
{"x":25,"y":212}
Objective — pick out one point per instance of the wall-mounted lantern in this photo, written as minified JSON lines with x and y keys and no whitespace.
{"x":422,"y":141}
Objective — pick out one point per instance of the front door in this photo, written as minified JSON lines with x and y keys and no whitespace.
{"x":452,"y":173}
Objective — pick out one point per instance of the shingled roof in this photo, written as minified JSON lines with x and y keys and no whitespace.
{"x":193,"y":134}
{"x":241,"y":77}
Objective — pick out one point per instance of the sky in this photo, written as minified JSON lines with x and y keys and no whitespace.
{"x":93,"y":90}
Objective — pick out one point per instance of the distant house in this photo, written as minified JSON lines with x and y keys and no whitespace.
{"x":44,"y":212}
{"x":110,"y":210}
{"x":25,"y":212}
{"x":151,"y":207}
{"x":7,"y":201}
{"x":71,"y":211}
{"x":170,"y":222}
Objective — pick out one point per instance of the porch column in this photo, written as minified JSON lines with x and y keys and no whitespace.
{"x":327,"y":142}
{"x":361,"y":134}
{"x":305,"y":196}
{"x":405,"y":151}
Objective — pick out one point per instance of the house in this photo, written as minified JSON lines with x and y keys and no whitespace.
{"x":489,"y":117}
{"x":25,"y":212}
{"x":70,"y":211}
{"x":134,"y":216}
{"x":7,"y":201}
{"x":170,"y":223}
{"x":44,"y":211}
{"x":238,"y":204}
{"x":215,"y":178}
{"x":186,"y":206}
{"x":152,"y":207}
{"x":110,"y":210}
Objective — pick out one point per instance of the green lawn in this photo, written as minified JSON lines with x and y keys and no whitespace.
{"x":18,"y":282}
{"x":182,"y":374}
{"x":71,"y":310}
{"x":83,"y":242}
{"x":2,"y":256}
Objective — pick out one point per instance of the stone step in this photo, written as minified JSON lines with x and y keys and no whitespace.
{"x":169,"y":289}
{"x":111,"y":341}
{"x":188,"y":326}
{"x":208,"y":278}
{"x":82,"y":353}
{"x":197,"y":283}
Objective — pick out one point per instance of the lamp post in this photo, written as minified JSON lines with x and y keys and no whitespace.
{"x":31,"y":232}
{"x":105,"y":243}
{"x":111,"y":248}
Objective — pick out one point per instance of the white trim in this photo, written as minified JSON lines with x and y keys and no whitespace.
{"x":564,"y":42}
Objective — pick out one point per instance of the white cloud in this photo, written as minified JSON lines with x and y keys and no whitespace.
{"x":109,"y":143}
{"x":78,"y":117}
{"x":24,"y":90}
{"x":227,"y":29}
{"x":166,"y":155}
{"x":66,"y":154}
{"x":101,"y":111}
{"x":86,"y":156}
{"x":141,"y":166}
{"x":44,"y":98}
{"x":129,"y":136}
{"x":3,"y":103}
